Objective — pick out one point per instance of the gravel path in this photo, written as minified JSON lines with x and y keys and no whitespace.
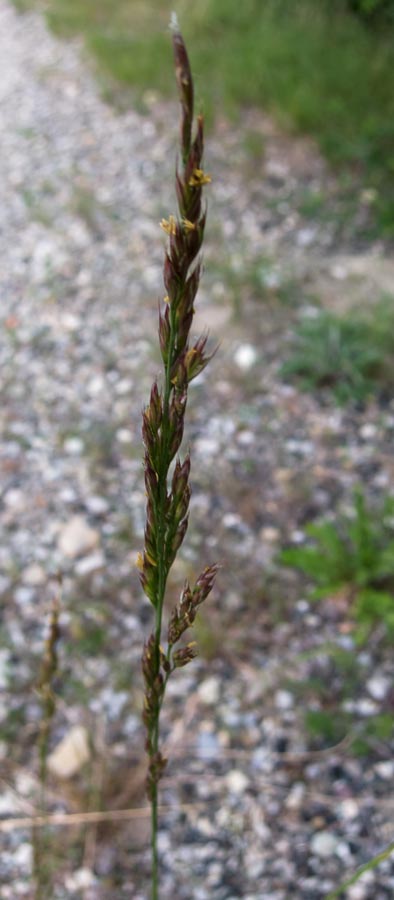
{"x":82,"y":191}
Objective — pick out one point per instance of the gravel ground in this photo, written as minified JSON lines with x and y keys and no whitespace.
{"x":259,"y":808}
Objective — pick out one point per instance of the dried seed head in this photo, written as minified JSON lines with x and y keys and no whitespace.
{"x":148,"y":661}
{"x":156,"y":768}
{"x":154,"y":412}
{"x":185,"y":90}
{"x":49,"y":662}
{"x":185,"y":655}
{"x":180,"y":478}
{"x":204,"y":584}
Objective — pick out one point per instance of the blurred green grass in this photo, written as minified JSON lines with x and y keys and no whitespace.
{"x":318,"y":67}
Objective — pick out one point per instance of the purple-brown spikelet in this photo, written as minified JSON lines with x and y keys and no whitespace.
{"x":166,"y":475}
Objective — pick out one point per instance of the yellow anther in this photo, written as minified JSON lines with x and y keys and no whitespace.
{"x":169,"y":225}
{"x":140,"y":562}
{"x":198,"y":178}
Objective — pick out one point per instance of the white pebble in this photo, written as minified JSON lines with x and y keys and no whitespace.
{"x":324,"y":844}
{"x":82,"y":878}
{"x":284,"y":700}
{"x":90,"y":564}
{"x":34,"y":575}
{"x":124,"y":436}
{"x":98,"y":506}
{"x":74,"y":446}
{"x":209,"y":690}
{"x":124,"y":386}
{"x":77,"y":538}
{"x":385,"y":769}
{"x":295,"y":796}
{"x":23,"y":856}
{"x":349,"y":809}
{"x":245,"y":357}
{"x":378,"y":687}
{"x":237,"y":781}
{"x":368,"y":431}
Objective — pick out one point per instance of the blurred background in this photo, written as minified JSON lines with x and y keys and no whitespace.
{"x":280,"y":736}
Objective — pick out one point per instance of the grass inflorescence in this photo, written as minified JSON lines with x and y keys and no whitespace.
{"x":166,"y":476}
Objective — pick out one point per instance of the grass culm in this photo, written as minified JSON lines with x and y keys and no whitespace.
{"x":166,"y":476}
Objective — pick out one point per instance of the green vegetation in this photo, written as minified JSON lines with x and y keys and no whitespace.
{"x":353,"y":556}
{"x":349,"y":355}
{"x":255,"y":279}
{"x":324,"y":68}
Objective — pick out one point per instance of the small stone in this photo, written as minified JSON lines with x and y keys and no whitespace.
{"x":343,"y":851}
{"x":76,"y":538}
{"x":297,"y":536}
{"x":339,"y":272}
{"x":358,"y":891}
{"x":245,"y":357}
{"x":306,"y":236}
{"x":366,"y":707}
{"x":96,"y":386}
{"x":237,"y":781}
{"x":349,"y":809}
{"x":385,"y":769}
{"x":25,"y":784}
{"x":70,"y":322}
{"x":124,"y":436}
{"x":123,"y":387}
{"x":79,"y":880}
{"x":368,"y":431}
{"x":34,"y":575}
{"x":300,"y":448}
{"x":378,"y":687}
{"x":89,"y":564}
{"x":270,"y":534}
{"x":97,"y":506}
{"x":233,"y":601}
{"x":296,"y":796}
{"x":246,"y":438}
{"x":232,"y":520}
{"x":284,"y":700}
{"x":207,"y":745}
{"x":23,"y":595}
{"x":71,"y":753}
{"x":15,"y":499}
{"x":209,"y":690}
{"x":23,"y":856}
{"x":207,"y":447}
{"x":74,"y":446}
{"x":68,"y":495}
{"x":324,"y":844}
{"x":9,"y":804}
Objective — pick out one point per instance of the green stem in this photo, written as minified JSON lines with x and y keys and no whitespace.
{"x":40,"y":836}
{"x":155,"y":859}
{"x":371,"y":864}
{"x":163,"y":475}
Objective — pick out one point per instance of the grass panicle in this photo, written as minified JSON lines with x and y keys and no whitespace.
{"x":166,"y":475}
